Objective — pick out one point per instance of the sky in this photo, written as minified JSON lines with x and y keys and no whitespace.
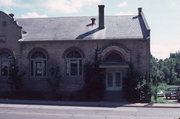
{"x":163,"y":16}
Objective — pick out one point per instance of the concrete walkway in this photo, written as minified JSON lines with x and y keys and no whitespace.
{"x":89,"y":104}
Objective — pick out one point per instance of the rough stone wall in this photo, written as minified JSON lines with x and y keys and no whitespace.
{"x":138,"y":54}
{"x":137,"y":49}
{"x":12,"y":33}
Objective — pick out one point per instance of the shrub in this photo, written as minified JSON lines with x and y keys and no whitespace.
{"x":94,"y":81}
{"x":15,"y":76}
{"x":54,"y":81}
{"x":136,"y":87}
{"x":93,"y":89}
{"x":157,"y":100}
{"x":159,"y":86}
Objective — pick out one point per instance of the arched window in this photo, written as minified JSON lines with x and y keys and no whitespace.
{"x":38,"y":64}
{"x":5,"y":59}
{"x":73,"y":63}
{"x":113,"y":58}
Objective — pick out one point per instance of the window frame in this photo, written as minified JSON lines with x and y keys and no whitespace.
{"x":33,"y":66}
{"x":78,"y":61}
{"x":114,"y":86}
{"x":109,"y":59}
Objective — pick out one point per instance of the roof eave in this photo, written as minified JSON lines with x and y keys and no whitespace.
{"x":146,"y":24}
{"x":22,"y":40}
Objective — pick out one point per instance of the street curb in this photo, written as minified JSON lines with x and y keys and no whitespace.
{"x":155,"y":106}
{"x":89,"y":104}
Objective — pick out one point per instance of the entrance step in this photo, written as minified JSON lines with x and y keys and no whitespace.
{"x":113,"y":96}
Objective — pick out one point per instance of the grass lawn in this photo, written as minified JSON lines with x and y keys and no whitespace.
{"x":160,"y":100}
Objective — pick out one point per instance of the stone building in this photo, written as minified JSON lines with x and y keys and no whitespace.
{"x":68,"y":42}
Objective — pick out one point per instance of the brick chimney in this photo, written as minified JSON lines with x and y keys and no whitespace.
{"x":101,"y":16}
{"x":139,"y":11}
{"x":93,"y":21}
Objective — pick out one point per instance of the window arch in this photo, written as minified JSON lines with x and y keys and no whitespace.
{"x":113,"y":57}
{"x":38,"y":63}
{"x":73,"y":63}
{"x":5,"y":59}
{"x":73,"y":54}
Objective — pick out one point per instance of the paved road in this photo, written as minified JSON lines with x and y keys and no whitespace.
{"x":14,"y":111}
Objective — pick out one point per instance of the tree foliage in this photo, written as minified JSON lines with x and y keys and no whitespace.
{"x":94,"y":78}
{"x":15,"y":76}
{"x":135,"y":86}
{"x":167,"y":70}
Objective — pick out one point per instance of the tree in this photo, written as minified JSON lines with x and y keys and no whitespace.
{"x":15,"y":76}
{"x":167,"y":70}
{"x":94,"y":78}
{"x":136,"y":87}
{"x":171,"y":63}
{"x":155,"y":74}
{"x":175,"y":55}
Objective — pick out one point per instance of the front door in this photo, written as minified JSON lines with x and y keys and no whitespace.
{"x":113,"y":80}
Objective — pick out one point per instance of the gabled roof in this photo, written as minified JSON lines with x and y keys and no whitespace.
{"x":80,"y":28}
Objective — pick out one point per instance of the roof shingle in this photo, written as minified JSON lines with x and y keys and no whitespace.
{"x":79,"y":28}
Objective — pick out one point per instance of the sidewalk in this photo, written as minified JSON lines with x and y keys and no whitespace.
{"x":89,"y":104}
